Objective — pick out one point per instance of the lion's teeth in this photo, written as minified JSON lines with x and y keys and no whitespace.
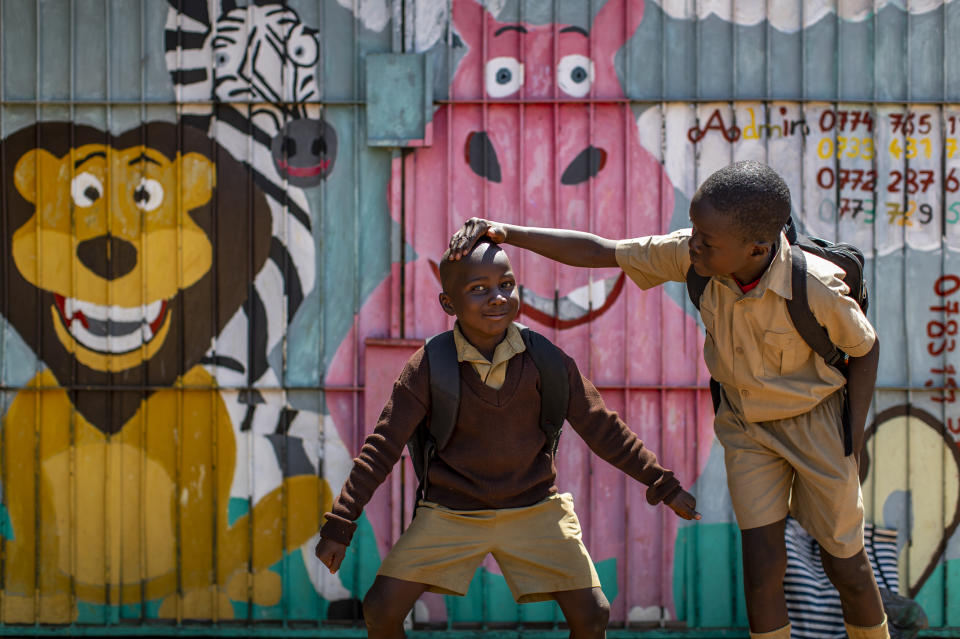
{"x":114,"y":313}
{"x":111,"y":329}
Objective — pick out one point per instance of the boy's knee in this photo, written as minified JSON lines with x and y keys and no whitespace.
{"x":851,"y":575}
{"x":590,"y":619}
{"x":765,"y":572}
{"x":380,"y":612}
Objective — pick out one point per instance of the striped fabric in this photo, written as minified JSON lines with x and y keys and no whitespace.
{"x":812,"y":602}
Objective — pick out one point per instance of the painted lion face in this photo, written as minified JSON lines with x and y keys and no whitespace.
{"x":105,"y":241}
{"x":127,"y":254}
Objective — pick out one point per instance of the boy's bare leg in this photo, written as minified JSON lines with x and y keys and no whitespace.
{"x":859,"y":595}
{"x":586,"y":610}
{"x":764,"y":565}
{"x":386,"y":606}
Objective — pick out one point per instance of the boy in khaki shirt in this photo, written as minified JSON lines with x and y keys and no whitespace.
{"x":781,"y":408}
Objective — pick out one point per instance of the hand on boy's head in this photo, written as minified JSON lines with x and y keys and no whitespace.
{"x":472,"y":230}
{"x":685,"y":505}
{"x":330,"y":553}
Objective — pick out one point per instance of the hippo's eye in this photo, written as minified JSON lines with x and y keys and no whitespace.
{"x":85,"y":189}
{"x":575,"y":75}
{"x":302,"y":46}
{"x":504,"y":76}
{"x":148,"y":195}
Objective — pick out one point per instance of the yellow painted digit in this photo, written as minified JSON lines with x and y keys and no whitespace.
{"x":841,"y":145}
{"x":866,"y":149}
{"x":895,"y":148}
{"x":825,"y":148}
{"x":854,"y":149}
{"x":911,"y":148}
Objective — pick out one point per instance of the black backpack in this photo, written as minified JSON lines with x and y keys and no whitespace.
{"x":846,"y":256}
{"x":433,"y":435}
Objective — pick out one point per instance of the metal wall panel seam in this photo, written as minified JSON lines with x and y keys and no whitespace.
{"x":943,"y":271}
{"x":5,"y":301}
{"x":318,"y":294}
{"x":628,"y":418}
{"x":37,"y":415}
{"x":142,"y":425}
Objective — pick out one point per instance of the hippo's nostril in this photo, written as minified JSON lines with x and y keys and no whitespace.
{"x":482,"y":157}
{"x":107,"y":256}
{"x":319,"y":147}
{"x":587,"y":164}
{"x":289,"y":147}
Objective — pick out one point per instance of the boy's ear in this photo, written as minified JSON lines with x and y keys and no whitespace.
{"x":760,"y":249}
{"x":447,"y":304}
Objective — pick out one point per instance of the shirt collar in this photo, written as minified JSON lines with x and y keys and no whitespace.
{"x":777,"y":277}
{"x":511,"y":345}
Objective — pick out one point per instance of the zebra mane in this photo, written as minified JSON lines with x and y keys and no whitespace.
{"x":201,"y":10}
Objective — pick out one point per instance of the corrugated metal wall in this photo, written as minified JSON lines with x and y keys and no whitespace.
{"x":212,"y":273}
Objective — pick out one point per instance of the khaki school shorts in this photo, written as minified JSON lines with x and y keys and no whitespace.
{"x":795,"y":466}
{"x":539,"y":549}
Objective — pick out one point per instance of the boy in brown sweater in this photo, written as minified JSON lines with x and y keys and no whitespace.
{"x":492,"y":488}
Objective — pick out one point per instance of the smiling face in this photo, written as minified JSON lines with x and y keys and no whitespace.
{"x":115,"y":248}
{"x":481,"y":291}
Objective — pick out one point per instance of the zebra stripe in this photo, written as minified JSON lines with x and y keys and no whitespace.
{"x":180,"y":39}
{"x":813,"y":603}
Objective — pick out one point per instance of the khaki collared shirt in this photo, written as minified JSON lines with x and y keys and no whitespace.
{"x":751,"y":347}
{"x":492,"y":373}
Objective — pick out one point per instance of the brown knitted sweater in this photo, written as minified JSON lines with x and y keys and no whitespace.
{"x":498,"y":456}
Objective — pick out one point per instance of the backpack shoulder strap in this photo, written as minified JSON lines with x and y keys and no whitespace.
{"x":444,"y":386}
{"x":696,"y":284}
{"x":554,"y":383}
{"x":802,"y":316}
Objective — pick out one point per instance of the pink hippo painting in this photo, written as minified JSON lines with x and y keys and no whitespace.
{"x":538,"y":131}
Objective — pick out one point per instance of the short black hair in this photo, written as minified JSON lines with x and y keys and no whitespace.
{"x":754,"y":196}
{"x":447,"y":266}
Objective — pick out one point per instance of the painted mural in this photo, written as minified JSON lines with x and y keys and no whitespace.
{"x":210,"y":279}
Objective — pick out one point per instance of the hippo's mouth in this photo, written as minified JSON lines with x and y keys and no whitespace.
{"x":111,"y":329}
{"x":579,"y":306}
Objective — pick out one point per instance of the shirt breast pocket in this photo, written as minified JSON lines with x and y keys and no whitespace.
{"x":783,"y":353}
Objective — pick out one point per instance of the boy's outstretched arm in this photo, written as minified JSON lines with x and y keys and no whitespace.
{"x":575,"y":248}
{"x":861,"y":377}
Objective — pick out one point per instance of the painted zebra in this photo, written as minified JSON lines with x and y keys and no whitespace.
{"x":247,"y":76}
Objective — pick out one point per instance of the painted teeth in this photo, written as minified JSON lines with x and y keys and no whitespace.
{"x":147,"y":312}
{"x":111,"y":329}
{"x":592,"y":295}
{"x":575,"y":304}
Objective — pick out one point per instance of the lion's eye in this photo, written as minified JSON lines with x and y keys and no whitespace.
{"x":85,"y":189}
{"x":148,"y":195}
